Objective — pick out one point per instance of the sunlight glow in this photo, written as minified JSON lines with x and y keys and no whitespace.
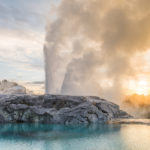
{"x":140,"y":87}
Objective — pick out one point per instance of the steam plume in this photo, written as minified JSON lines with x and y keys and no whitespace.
{"x":90,"y":44}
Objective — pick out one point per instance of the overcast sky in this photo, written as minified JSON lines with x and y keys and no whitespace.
{"x":22,"y":32}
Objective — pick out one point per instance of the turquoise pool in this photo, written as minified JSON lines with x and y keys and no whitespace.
{"x":59,"y":137}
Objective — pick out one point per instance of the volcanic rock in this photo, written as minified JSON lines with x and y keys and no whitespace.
{"x":57,"y":109}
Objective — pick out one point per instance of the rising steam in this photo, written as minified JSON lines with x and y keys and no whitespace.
{"x":90,"y":44}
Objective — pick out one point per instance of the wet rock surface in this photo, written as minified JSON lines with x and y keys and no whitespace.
{"x":58,"y":109}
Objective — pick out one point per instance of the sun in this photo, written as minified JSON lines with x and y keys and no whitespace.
{"x":140,"y":87}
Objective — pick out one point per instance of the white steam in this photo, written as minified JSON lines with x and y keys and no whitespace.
{"x":90,"y":44}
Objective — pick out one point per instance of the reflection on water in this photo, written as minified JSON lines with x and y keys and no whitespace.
{"x":59,"y":137}
{"x":136,"y":137}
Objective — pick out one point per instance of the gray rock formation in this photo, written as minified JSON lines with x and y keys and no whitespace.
{"x":57,"y":109}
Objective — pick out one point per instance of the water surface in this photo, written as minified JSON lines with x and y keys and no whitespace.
{"x":120,"y":136}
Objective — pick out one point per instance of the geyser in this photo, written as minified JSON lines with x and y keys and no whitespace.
{"x":90,"y":45}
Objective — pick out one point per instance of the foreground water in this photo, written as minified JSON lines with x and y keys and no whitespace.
{"x":120,"y":136}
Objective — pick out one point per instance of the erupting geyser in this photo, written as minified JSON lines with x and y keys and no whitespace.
{"x":90,"y":45}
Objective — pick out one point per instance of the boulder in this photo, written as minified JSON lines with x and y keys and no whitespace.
{"x":58,"y":109}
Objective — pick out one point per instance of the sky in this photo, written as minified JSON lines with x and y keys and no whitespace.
{"x":22,"y":33}
{"x":92,"y":43}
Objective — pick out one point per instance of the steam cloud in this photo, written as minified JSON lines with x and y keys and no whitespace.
{"x":90,"y":44}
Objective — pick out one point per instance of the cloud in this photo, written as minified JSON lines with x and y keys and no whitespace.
{"x":22,"y":25}
{"x":24,"y":14}
{"x":22,"y":50}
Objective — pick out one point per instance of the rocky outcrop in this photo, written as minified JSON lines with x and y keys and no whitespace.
{"x":7,"y":87}
{"x":57,"y":109}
